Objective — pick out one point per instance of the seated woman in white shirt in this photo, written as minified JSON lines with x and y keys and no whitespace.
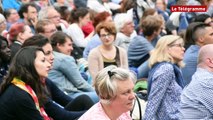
{"x":79,"y":17}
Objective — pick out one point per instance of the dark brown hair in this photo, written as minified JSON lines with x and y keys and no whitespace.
{"x":23,"y":68}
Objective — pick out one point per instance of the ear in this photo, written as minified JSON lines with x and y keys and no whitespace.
{"x":25,"y":15}
{"x":20,"y":35}
{"x":80,"y":18}
{"x":209,"y":62}
{"x":201,"y":40}
{"x":168,"y":50}
{"x":58,"y":45}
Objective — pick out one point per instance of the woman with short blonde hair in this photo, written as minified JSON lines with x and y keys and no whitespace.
{"x":114,"y":87}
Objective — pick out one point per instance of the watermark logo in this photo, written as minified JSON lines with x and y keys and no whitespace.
{"x":188,"y":8}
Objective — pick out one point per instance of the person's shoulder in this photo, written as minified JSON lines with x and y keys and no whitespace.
{"x":73,"y":26}
{"x":15,"y":92}
{"x":121,"y":49}
{"x":62,"y":57}
{"x":94,"y":51}
{"x":165,"y":67}
{"x":95,"y":113}
{"x":139,"y":40}
{"x":138,"y":37}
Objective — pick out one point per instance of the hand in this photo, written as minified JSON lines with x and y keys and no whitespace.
{"x":33,"y":21}
{"x":64,"y":22}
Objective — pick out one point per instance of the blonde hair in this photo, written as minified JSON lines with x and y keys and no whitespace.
{"x":105,"y":82}
{"x":160,"y":53}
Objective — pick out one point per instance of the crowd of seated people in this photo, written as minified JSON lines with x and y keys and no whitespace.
{"x":57,"y":56}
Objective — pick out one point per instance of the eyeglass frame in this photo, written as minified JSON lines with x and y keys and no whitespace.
{"x":176,"y":45}
{"x":3,"y":22}
{"x":51,"y":31}
{"x":104,"y":36}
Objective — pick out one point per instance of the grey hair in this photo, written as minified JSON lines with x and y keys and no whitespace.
{"x":121,"y":19}
{"x":2,"y":18}
{"x":106,"y":84}
{"x":43,"y":13}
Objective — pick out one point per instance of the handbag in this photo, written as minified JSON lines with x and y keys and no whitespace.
{"x":138,"y":108}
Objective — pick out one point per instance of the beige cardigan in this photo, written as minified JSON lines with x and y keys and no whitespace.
{"x":95,"y":60}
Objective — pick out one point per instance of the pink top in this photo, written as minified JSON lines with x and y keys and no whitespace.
{"x":96,"y":112}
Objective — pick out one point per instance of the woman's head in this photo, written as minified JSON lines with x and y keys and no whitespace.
{"x":169,"y":48}
{"x":29,"y":61}
{"x":127,"y":4}
{"x":102,"y":17}
{"x":80,"y":16}
{"x":4,"y":51}
{"x":107,"y":32}
{"x":43,"y":42}
{"x":61,"y":42}
{"x":20,"y":32}
{"x":204,"y":18}
{"x":114,"y":86}
{"x":29,"y":65}
{"x":147,"y":12}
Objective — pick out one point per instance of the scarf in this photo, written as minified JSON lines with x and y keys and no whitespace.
{"x":19,"y":83}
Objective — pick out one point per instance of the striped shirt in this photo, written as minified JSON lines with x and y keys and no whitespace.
{"x":196,"y":99}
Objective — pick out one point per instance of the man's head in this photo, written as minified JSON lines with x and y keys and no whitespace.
{"x":124,"y":24}
{"x":152,"y":25}
{"x":46,"y":28}
{"x":11,"y":15}
{"x":199,"y":33}
{"x":51,"y":14}
{"x":205,"y":57}
{"x":28,"y":12}
{"x":2,"y":23}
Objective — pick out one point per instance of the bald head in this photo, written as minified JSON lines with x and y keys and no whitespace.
{"x":205,"y":53}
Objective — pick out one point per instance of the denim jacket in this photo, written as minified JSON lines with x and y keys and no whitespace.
{"x":66,"y":76}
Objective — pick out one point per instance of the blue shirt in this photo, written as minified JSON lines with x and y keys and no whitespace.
{"x":196,"y":99}
{"x":93,"y":43}
{"x":138,"y":51}
{"x":66,"y":76}
{"x":7,"y":4}
{"x":190,"y":59}
{"x":164,"y":96}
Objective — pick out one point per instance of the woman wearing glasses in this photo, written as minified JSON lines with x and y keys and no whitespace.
{"x":165,"y":81}
{"x":107,"y":53}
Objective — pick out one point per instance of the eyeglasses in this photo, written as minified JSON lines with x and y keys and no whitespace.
{"x":54,"y":17}
{"x":177,"y":45}
{"x":13,"y":13}
{"x":106,"y":35}
{"x":51,"y":31}
{"x":3,"y":22}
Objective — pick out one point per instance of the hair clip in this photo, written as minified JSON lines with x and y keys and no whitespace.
{"x":111,"y":73}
